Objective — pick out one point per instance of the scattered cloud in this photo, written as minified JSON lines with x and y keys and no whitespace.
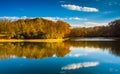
{"x":80,"y":65}
{"x":65,"y":18}
{"x":49,"y":18}
{"x":89,"y":24}
{"x":79,"y":8}
{"x":77,"y":18}
{"x":92,"y":24}
{"x":84,"y":24}
{"x":13,"y":18}
{"x":77,"y":25}
{"x":71,"y":7}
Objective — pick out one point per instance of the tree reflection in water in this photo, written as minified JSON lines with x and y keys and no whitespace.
{"x":33,"y":50}
{"x":42,"y":50}
{"x":112,"y":46}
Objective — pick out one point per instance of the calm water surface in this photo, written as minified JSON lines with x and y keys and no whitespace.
{"x":72,"y":57}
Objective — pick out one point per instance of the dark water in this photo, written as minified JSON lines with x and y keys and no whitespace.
{"x":72,"y":57}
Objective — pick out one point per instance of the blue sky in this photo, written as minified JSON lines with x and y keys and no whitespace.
{"x":75,"y":12}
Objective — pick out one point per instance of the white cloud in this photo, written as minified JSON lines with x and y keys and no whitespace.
{"x":51,"y":18}
{"x":80,"y":65}
{"x":77,"y":25}
{"x":79,"y":8}
{"x":89,"y":9}
{"x":92,"y":24}
{"x":77,"y":18}
{"x":71,"y":7}
{"x":84,"y":24}
{"x":13,"y":18}
{"x":89,"y":24}
{"x":65,"y":18}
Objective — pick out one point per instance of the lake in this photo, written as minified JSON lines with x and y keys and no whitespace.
{"x":70,"y":57}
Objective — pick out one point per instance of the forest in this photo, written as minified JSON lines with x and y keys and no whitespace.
{"x":39,"y":28}
{"x":111,"y":30}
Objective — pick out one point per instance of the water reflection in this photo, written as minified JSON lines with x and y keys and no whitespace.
{"x":43,"y":50}
{"x":80,"y":65}
{"x":33,"y":50}
{"x":112,"y":46}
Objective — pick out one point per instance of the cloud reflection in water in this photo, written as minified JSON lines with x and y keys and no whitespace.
{"x":80,"y":65}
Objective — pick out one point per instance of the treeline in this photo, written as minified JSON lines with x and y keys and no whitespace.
{"x":111,"y":30}
{"x":37,"y":28}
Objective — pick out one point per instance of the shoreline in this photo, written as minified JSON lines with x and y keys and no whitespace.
{"x":33,"y":40}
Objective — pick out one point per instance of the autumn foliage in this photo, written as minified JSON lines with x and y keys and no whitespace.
{"x":111,"y":30}
{"x":33,"y":50}
{"x":37,"y":28}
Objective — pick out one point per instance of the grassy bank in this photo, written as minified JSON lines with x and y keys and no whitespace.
{"x":33,"y":40}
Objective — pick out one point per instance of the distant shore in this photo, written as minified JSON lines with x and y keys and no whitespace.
{"x":33,"y":40}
